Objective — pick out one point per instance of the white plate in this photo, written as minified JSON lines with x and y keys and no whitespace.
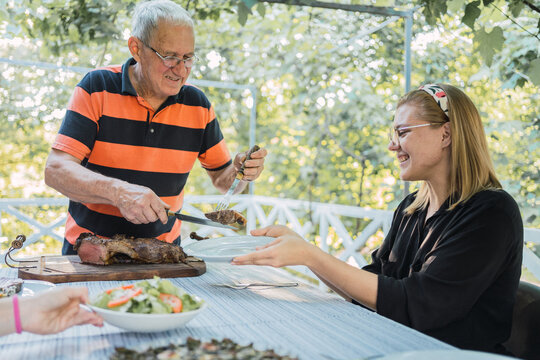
{"x":32,"y":287}
{"x":224,"y":249}
{"x":444,"y":355}
{"x":147,"y":322}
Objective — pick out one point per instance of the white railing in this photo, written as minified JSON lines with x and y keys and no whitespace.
{"x":323,"y":224}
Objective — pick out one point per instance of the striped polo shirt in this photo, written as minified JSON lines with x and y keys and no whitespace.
{"x":116,"y":133}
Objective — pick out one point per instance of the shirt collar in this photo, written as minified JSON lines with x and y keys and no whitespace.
{"x":127,"y":86}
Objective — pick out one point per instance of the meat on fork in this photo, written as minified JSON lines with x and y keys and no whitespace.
{"x":121,"y":249}
{"x":227,"y":217}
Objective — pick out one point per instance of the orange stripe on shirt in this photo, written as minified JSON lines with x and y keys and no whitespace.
{"x":85,"y":104}
{"x":218,"y":151}
{"x":142,"y":158}
{"x":112,"y":68}
{"x":173,"y":234}
{"x":193,"y":117}
{"x":71,"y":146}
{"x":124,"y":107}
{"x":73,"y":230}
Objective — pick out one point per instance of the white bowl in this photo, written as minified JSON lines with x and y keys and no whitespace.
{"x":147,"y":322}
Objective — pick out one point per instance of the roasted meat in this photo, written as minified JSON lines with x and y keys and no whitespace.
{"x":195,"y":236}
{"x":227,"y":217}
{"x":122,"y":249}
{"x":9,"y":287}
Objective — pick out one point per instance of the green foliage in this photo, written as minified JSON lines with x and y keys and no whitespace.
{"x":489,"y":43}
{"x":67,"y":24}
{"x":472,"y":12}
{"x":534,"y":72}
{"x":480,"y":16}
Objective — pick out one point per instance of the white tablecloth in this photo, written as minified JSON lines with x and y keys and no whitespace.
{"x":301,"y":321}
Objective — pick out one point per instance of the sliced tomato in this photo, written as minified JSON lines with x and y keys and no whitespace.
{"x":124,"y":299}
{"x":173,"y":301}
{"x":125,"y":287}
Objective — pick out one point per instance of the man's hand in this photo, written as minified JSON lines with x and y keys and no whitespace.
{"x":139,"y":204}
{"x":252,"y":167}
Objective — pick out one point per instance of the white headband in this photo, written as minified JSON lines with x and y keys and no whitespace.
{"x":438,"y":95}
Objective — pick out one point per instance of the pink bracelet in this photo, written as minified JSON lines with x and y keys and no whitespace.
{"x":17,"y":314}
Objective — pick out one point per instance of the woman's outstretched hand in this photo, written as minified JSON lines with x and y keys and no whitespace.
{"x":288,"y":248}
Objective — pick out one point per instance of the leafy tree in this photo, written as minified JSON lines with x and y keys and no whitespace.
{"x":67,"y":24}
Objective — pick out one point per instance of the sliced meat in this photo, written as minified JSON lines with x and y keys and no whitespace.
{"x":9,"y":287}
{"x":195,"y":236}
{"x":122,"y":249}
{"x":227,"y":217}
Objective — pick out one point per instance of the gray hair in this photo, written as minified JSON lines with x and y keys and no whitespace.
{"x":148,"y":14}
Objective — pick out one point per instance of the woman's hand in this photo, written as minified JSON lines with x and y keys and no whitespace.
{"x":56,"y":310}
{"x":288,"y":248}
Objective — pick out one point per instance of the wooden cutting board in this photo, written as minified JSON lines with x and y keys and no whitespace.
{"x":62,"y":269}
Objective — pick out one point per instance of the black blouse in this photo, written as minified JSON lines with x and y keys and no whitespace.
{"x":455,"y":277}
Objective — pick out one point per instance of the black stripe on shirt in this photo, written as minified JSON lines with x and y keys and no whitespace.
{"x":79,"y":127}
{"x":212,"y":136}
{"x":128,"y":132}
{"x":102,"y":80}
{"x":163,"y":184}
{"x":109,"y":225}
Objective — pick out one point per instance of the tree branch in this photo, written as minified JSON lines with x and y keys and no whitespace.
{"x":376,"y":10}
{"x":532,"y":6}
{"x":515,"y":22}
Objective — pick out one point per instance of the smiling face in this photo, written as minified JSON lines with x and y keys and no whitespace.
{"x":423,"y":152}
{"x":155,"y":81}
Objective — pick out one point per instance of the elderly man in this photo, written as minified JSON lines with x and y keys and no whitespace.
{"x":132,"y":133}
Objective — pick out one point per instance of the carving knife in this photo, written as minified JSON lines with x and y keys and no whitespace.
{"x":224,"y":203}
{"x":197,"y":220}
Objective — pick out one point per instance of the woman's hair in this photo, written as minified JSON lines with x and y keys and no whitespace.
{"x":148,"y":14}
{"x":471,"y":167}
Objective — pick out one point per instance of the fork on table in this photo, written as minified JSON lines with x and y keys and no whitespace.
{"x":239,"y":286}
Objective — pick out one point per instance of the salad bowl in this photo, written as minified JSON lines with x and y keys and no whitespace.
{"x":147,"y":322}
{"x":147,"y":306}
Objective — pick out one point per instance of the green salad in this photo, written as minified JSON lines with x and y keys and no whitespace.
{"x":153,"y":296}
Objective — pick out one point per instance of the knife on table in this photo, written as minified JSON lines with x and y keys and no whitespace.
{"x":197,"y":220}
{"x":224,"y":203}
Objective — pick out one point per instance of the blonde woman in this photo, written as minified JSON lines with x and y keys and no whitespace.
{"x":451,"y":262}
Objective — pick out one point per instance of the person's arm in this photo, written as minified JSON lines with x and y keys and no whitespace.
{"x":333,"y":287}
{"x":289,"y":248}
{"x":49,"y":312}
{"x":138,"y":204}
{"x":223,"y":179}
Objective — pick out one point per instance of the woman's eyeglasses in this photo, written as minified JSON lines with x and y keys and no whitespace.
{"x":395,"y":133}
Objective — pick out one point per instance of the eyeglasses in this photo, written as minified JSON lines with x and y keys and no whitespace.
{"x":395,"y":133}
{"x":172,"y":61}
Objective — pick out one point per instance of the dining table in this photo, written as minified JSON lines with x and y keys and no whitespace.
{"x":301,"y":321}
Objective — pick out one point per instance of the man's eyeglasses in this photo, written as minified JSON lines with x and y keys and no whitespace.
{"x":172,"y":61}
{"x":395,"y":133}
